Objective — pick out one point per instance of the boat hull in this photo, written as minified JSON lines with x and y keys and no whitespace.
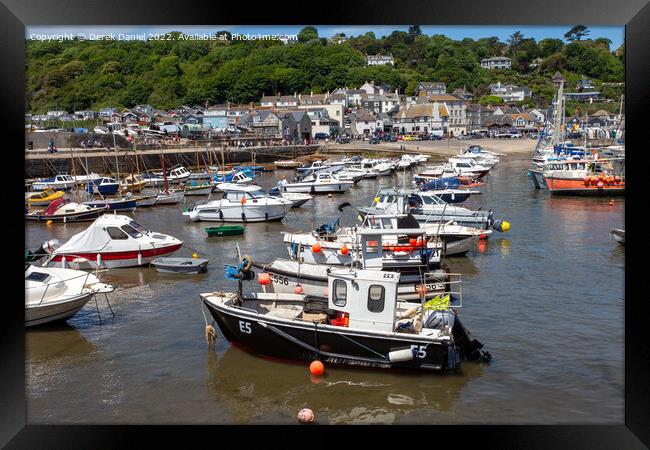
{"x":65,"y":218}
{"x":309,"y":188}
{"x":563,"y":186}
{"x":336,"y":345}
{"x":112,"y":260}
{"x":619,"y":235}
{"x":225,"y":231}
{"x":242,"y":214}
{"x":55,"y":311}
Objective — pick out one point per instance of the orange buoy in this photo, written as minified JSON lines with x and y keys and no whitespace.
{"x":586,"y":180}
{"x":306,"y":415}
{"x":344,"y":250}
{"x":600,"y":184}
{"x":421,"y":289}
{"x":298,"y":289}
{"x":316,"y":368}
{"x":594,"y":179}
{"x":413,"y":242}
{"x":483,"y":236}
{"x":316,"y":248}
{"x":264,"y":278}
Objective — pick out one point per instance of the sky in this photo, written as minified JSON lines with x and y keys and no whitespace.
{"x":614,"y":33}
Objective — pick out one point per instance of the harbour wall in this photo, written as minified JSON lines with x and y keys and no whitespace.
{"x":40,"y":163}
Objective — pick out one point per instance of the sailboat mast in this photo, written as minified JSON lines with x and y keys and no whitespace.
{"x":164,"y":171}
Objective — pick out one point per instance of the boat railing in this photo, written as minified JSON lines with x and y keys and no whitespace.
{"x":47,"y":285}
{"x":451,"y":285}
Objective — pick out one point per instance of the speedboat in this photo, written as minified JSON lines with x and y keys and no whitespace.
{"x":241,"y":203}
{"x":42,"y":198}
{"x":59,"y":182}
{"x":53,"y":294}
{"x":65,"y":210}
{"x":321,"y":183}
{"x":103,"y":186}
{"x":297,"y":199}
{"x":361,"y":324}
{"x":113,"y":241}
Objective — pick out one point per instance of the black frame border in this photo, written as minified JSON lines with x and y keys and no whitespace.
{"x":635,"y":15}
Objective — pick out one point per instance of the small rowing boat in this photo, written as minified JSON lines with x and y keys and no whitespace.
{"x":226,"y":230}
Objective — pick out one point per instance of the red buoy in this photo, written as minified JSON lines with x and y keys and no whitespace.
{"x":413,"y":242}
{"x":316,"y":368}
{"x":344,"y":250}
{"x":316,"y":248}
{"x":298,"y":289}
{"x":264,"y":278}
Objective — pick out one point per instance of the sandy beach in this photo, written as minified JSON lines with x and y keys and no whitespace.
{"x":443,"y":147}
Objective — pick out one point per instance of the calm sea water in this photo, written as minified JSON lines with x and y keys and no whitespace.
{"x":546,"y":299}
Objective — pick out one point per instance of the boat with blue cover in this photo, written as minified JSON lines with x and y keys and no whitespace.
{"x":103,"y":185}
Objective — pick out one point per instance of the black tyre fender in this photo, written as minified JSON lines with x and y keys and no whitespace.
{"x":248,"y":262}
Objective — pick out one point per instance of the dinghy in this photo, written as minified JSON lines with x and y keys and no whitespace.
{"x":225,"y":230}
{"x":180,"y":265}
{"x":64,"y":210}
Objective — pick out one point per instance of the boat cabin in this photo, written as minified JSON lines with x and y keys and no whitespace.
{"x":179,"y":172}
{"x":367,"y":297}
{"x":242,"y":196}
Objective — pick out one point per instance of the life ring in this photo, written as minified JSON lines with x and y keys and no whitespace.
{"x":248,"y":263}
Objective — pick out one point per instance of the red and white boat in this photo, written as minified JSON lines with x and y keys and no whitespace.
{"x":113,"y":241}
{"x":585,"y":177}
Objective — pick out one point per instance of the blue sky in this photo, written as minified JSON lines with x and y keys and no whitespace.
{"x":614,"y":33}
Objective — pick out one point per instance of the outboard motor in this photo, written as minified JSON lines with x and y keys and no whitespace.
{"x":45,"y":249}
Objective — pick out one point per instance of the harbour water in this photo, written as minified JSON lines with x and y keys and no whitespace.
{"x":546,"y":299}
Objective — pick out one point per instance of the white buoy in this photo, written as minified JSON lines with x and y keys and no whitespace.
{"x":99,"y":259}
{"x":63,"y":262}
{"x":400,"y":355}
{"x":139,"y":259}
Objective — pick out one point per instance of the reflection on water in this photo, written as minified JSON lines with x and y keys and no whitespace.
{"x":252,"y":386}
{"x":538,"y":297}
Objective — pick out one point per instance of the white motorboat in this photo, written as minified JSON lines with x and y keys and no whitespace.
{"x":351,"y":174}
{"x":53,"y":294}
{"x":297,"y":199}
{"x":113,"y":241}
{"x":322,"y":183}
{"x":241,"y":203}
{"x":58,"y":182}
{"x":86,"y":178}
{"x":64,"y":210}
{"x":316,"y":165}
{"x":287,"y":164}
{"x":177,"y":174}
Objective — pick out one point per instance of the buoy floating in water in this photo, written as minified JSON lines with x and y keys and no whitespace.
{"x":611,"y":202}
{"x":316,"y":368}
{"x":49,"y":222}
{"x":195,"y":255}
{"x":306,"y":415}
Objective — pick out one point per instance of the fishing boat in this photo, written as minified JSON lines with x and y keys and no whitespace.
{"x":103,"y":186}
{"x":288,"y":276}
{"x":241,"y":203}
{"x":86,"y":178}
{"x":314,"y":166}
{"x":42,"y":198}
{"x":619,"y":235}
{"x":53,"y":294}
{"x":113,"y":241}
{"x":177,"y":174}
{"x":180,"y":265}
{"x":65,"y":210}
{"x":404,"y":246}
{"x":322,"y":183}
{"x":225,"y":230}
{"x":287,"y":164}
{"x":602,"y":177}
{"x":362,"y":324}
{"x":59,"y":182}
{"x":238,"y":177}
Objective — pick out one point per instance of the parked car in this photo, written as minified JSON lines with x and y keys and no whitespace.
{"x":435,"y":137}
{"x":343,"y":140}
{"x":374,"y":140}
{"x":464,"y":136}
{"x":321,"y":136}
{"x":425,"y":137}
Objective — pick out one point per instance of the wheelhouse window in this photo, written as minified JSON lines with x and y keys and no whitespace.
{"x":116,"y":233}
{"x":138,"y":227}
{"x":376,"y":298}
{"x":340,"y":292}
{"x":256,"y":194}
{"x":131,"y":231}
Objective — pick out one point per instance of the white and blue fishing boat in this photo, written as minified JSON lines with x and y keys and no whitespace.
{"x":61,"y":182}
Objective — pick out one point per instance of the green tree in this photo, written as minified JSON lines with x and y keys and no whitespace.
{"x":307,"y":34}
{"x":576,"y":33}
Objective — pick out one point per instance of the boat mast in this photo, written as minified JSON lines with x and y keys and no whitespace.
{"x":117,"y":164}
{"x":162,"y":158}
